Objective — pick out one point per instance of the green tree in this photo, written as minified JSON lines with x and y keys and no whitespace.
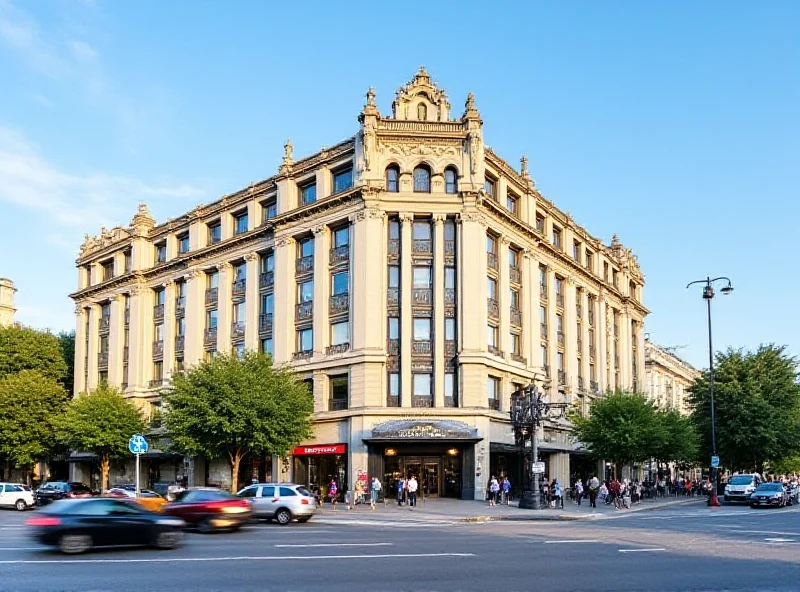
{"x":66,"y":340}
{"x":757,"y":404}
{"x":622,"y":427}
{"x":100,"y":422}
{"x":227,"y":407}
{"x":29,"y":405}
{"x":680,"y":442}
{"x":24,"y":348}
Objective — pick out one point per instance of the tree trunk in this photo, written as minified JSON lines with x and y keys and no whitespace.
{"x":235,"y":460}
{"x":104,"y":462}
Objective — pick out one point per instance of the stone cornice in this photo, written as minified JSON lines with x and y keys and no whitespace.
{"x":336,"y":201}
{"x":501,"y":165}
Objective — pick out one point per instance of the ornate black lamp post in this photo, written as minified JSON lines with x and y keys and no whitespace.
{"x":528,"y":410}
{"x":708,"y":295}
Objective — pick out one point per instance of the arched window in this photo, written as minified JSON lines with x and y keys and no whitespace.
{"x":422,"y":179}
{"x":450,"y":180}
{"x":422,"y":112}
{"x":392,"y":179}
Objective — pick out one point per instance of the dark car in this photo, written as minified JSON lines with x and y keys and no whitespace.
{"x":77,"y":525}
{"x":56,"y":490}
{"x":210,"y":509}
{"x":770,"y":494}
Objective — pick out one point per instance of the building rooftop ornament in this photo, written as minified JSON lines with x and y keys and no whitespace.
{"x":470,"y":111}
{"x":624,"y":256}
{"x":288,"y":158}
{"x":7,"y":308}
{"x":421,"y":100}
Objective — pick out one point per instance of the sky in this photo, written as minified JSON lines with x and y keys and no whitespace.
{"x":675,"y":125}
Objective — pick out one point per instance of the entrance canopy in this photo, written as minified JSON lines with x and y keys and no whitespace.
{"x":431,"y":430}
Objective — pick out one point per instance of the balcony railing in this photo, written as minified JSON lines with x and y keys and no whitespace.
{"x":339,"y":303}
{"x":421,"y":296}
{"x":494,"y":404}
{"x":105,"y":323}
{"x":392,"y":400}
{"x":560,"y":337}
{"x":421,"y":347}
{"x":212,"y":296}
{"x":180,"y":341}
{"x":210,"y":336}
{"x":180,"y":307}
{"x":543,"y":330}
{"x":339,"y":348}
{"x":304,"y":264}
{"x":394,"y":248}
{"x":560,"y":300}
{"x":237,"y":330}
{"x":265,"y":322}
{"x":449,"y":348}
{"x":515,"y":275}
{"x":239,"y":288}
{"x":450,"y":402}
{"x":158,"y":349}
{"x":516,"y":317}
{"x":449,"y":296}
{"x":304,"y":311}
{"x":102,"y":358}
{"x":496,"y":351}
{"x":337,"y":404}
{"x":421,"y":401}
{"x":156,"y":382}
{"x":266,"y":280}
{"x":338,"y":255}
{"x":449,"y":247}
{"x":579,"y":310}
{"x":562,"y":378}
{"x":302,"y":355}
{"x":158,"y":312}
{"x":422,"y":246}
{"x":519,"y":359}
{"x":393,"y":297}
{"x":393,"y":347}
{"x":491,"y":259}
{"x":492,"y":308}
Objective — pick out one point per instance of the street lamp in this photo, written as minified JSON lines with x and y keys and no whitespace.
{"x":528,"y":410}
{"x":708,"y":295}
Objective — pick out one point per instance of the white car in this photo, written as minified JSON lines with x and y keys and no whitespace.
{"x":15,"y":495}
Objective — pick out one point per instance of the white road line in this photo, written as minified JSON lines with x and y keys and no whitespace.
{"x":23,"y":548}
{"x":767,"y":532}
{"x":639,"y":550}
{"x":238,"y":558}
{"x":779,"y":540}
{"x":338,"y":545}
{"x":575,"y":541}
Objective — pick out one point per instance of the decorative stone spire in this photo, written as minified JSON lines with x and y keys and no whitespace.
{"x":370,"y":108}
{"x":615,"y":242}
{"x":142,"y":221}
{"x":288,"y":159}
{"x":523,"y":167}
{"x":470,"y":112}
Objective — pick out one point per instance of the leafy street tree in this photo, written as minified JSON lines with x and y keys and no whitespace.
{"x":622,"y":428}
{"x":100,"y":422}
{"x":24,"y":348}
{"x":66,"y":340}
{"x":679,"y":443}
{"x":228,"y":407}
{"x":757,"y":400}
{"x":29,"y":405}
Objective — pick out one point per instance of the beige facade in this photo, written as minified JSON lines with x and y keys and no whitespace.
{"x":667,"y":377}
{"x":7,"y":309}
{"x":408,"y":272}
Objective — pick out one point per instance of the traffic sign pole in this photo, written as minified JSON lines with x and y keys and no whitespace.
{"x":137,"y":476}
{"x":138,"y":446}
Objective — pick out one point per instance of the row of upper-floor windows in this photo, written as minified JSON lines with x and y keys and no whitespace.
{"x":421,"y":179}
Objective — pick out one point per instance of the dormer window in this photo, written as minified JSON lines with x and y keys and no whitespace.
{"x":240,"y":222}
{"x":308,"y":193}
{"x":422,"y":112}
{"x":270,"y":209}
{"x":214,"y":232}
{"x":450,"y":180}
{"x":422,"y":179}
{"x":183,"y":243}
{"x":161,"y":252}
{"x":392,"y":179}
{"x":488,"y":187}
{"x":342,"y":180}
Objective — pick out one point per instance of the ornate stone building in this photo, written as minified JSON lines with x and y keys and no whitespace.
{"x":411,"y":275}
{"x":667,"y":377}
{"x":7,"y":310}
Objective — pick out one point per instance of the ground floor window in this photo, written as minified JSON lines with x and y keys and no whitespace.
{"x":323,"y":464}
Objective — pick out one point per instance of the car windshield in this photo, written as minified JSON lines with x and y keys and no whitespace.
{"x":50,"y":485}
{"x":770,"y":487}
{"x":65,"y":506}
{"x":203,"y":495}
{"x":304,"y":492}
{"x":741,"y":480}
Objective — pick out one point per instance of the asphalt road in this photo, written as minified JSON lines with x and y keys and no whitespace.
{"x":696,"y":548}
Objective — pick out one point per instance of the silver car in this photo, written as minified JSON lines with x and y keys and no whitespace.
{"x":282,"y":502}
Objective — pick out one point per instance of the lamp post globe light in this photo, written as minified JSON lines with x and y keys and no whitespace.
{"x":528,"y":410}
{"x":708,"y":296}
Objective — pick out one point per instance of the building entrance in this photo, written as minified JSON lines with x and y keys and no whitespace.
{"x":438,"y":476}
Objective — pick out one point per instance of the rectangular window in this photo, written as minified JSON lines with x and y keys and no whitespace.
{"x":589,"y":260}
{"x":240,"y":223}
{"x":422,"y":385}
{"x":108,"y":269}
{"x":540,"y":223}
{"x":488,"y":187}
{"x":542,"y":314}
{"x":161,"y":252}
{"x":576,"y":251}
{"x":422,"y":329}
{"x":422,"y":230}
{"x":158,"y":332}
{"x":238,"y":350}
{"x":239,"y":312}
{"x":340,"y":283}
{"x":305,"y":291}
{"x":158,"y":371}
{"x":557,"y":238}
{"x":269,"y":209}
{"x":491,"y":244}
{"x":449,"y":385}
{"x":342,"y":180}
{"x":559,"y":286}
{"x":183,"y":243}
{"x":559,"y":323}
{"x":450,"y":329}
{"x":450,"y":278}
{"x":560,"y":361}
{"x":267,"y":262}
{"x":305,"y":340}
{"x":214,"y":232}
{"x":394,"y":384}
{"x":306,"y":247}
{"x":493,"y":388}
{"x":394,"y":328}
{"x":514,"y":343}
{"x":491,"y":335}
{"x":340,"y":333}
{"x":341,"y":237}
{"x":128,"y":261}
{"x":180,"y":327}
{"x":511,"y":202}
{"x":513,"y":258}
{"x":267,"y":303}
{"x":239,"y":272}
{"x":543,"y":279}
{"x":394,"y":276}
{"x":211,"y":318}
{"x":513,"y":296}
{"x":615,"y":277}
{"x":160,"y":296}
{"x":544,"y":355}
{"x":308,"y":194}
{"x":605,"y":270}
{"x":422,"y":277}
{"x":213,"y":280}
{"x":491,"y":287}
{"x":340,"y":389}
{"x":394,"y":230}
{"x":266,"y":346}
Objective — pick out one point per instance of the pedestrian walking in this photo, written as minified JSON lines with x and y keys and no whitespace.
{"x":401,"y":490}
{"x":578,"y":491}
{"x":594,"y":488}
{"x":375,"y":491}
{"x":494,"y":487}
{"x":412,"y":490}
{"x":332,"y":491}
{"x":506,"y":489}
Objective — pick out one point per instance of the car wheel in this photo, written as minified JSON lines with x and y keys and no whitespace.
{"x":168,"y":539}
{"x":205,"y":526}
{"x":283,"y":516}
{"x":21,"y":505}
{"x":304,"y":519}
{"x":73,"y":544}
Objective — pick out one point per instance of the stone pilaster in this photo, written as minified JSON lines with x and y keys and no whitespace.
{"x":79,"y":384}
{"x":251,"y":302}
{"x":94,"y":345}
{"x":195,"y":318}
{"x":438,"y":310}
{"x":224,"y":307}
{"x":284,"y":335}
{"x":322,"y":288}
{"x":406,"y":319}
{"x":169,"y":329}
{"x":115,"y":340}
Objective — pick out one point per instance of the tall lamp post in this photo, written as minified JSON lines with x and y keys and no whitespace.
{"x":528,"y":410}
{"x":708,"y":295}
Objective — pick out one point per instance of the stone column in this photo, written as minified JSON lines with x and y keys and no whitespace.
{"x":94,"y":343}
{"x":168,"y":365}
{"x":138,"y":346}
{"x":283,"y":331}
{"x":601,"y":331}
{"x":224,"y":307}
{"x":552,"y":342}
{"x":368,"y":281}
{"x":503,"y":297}
{"x":438,"y":310}
{"x":531,"y":331}
{"x":406,"y":320}
{"x":195,"y":317}
{"x":115,"y":340}
{"x":640,"y":363}
{"x":584,"y":329}
{"x":625,"y":349}
{"x":322,"y":289}
{"x":79,"y":385}
{"x":251,"y":303}
{"x":570,"y":335}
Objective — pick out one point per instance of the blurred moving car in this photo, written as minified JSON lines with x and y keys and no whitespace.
{"x":148,"y":499}
{"x":16,"y":495}
{"x":770,"y":494}
{"x":210,"y":509}
{"x":77,"y":525}
{"x":740,"y":487}
{"x":56,"y":490}
{"x":282,"y":502}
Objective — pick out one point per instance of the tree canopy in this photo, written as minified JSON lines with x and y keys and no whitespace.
{"x":231,"y":407}
{"x":757,"y":404}
{"x":100,"y":422}
{"x":24,"y":348}
{"x":66,"y":340}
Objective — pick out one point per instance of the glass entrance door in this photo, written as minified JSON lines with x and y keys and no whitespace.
{"x":430,"y":477}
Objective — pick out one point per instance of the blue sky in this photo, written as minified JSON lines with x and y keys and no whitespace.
{"x":675,"y":125}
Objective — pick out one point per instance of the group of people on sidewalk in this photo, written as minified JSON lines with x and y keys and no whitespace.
{"x":498,"y":492}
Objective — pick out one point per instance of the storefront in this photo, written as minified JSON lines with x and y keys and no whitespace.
{"x":439,"y":453}
{"x":315,"y":466}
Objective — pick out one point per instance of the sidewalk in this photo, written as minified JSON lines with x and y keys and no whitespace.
{"x":447,"y":511}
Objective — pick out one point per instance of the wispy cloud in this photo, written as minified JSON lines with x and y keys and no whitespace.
{"x":75,"y":202}
{"x":82,"y":51}
{"x":42,"y":100}
{"x":22,"y":33}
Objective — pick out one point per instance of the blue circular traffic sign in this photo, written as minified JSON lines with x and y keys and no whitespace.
{"x":137,"y":444}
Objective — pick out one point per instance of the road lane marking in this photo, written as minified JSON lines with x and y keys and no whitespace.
{"x":779,"y":540}
{"x":338,"y":545}
{"x":237,"y":558}
{"x":767,"y":532}
{"x":23,"y":548}
{"x":639,"y":550}
{"x":574,"y":541}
